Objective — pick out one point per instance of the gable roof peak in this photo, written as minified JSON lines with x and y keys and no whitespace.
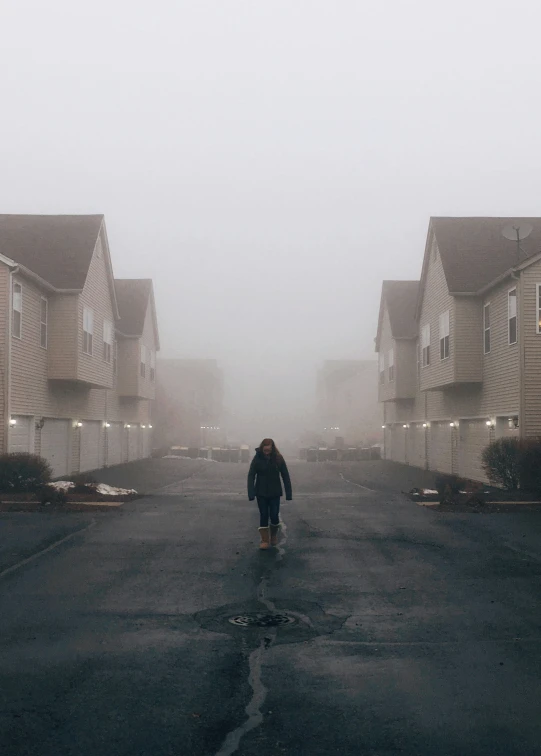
{"x":57,"y":248}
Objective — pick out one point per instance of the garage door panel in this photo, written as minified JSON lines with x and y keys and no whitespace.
{"x":21,"y":437}
{"x":90,"y":446}
{"x":55,"y":445}
{"x":133,"y":443}
{"x":416,"y":446}
{"x":398,"y":444}
{"x":474,"y":438}
{"x":440,"y":447}
{"x":115,"y":445}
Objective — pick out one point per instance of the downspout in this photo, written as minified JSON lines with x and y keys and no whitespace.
{"x":9,"y":341}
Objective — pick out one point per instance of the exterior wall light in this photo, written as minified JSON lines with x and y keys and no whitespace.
{"x":425,"y":425}
{"x":12,"y":422}
{"x":107,"y":425}
{"x":405,"y":425}
{"x":143,"y":426}
{"x":127,"y":425}
{"x":383,"y":426}
{"x":452,"y":425}
{"x":78,"y":424}
{"x":150,"y":426}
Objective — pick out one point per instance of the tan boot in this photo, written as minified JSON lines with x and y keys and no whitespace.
{"x":274,"y":530}
{"x":264,"y":533}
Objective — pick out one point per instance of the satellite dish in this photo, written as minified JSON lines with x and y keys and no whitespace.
{"x":517,"y":231}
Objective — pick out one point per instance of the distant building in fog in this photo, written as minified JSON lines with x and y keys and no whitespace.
{"x":347,"y":402}
{"x":189,"y":403}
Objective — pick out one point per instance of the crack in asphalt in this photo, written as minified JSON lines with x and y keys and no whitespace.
{"x":232,"y":741}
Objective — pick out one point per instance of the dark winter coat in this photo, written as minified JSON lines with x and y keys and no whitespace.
{"x":264,"y":477}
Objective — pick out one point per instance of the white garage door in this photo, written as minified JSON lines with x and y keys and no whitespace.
{"x":439,"y":447}
{"x":416,"y":445}
{"x":133,"y":443}
{"x":21,"y":438}
{"x":115,"y":435}
{"x":474,"y":437}
{"x":55,"y":445}
{"x":90,"y":446}
{"x":398,"y":444}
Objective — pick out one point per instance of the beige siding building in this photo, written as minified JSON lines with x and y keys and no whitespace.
{"x":460,"y":350}
{"x":62,"y":333}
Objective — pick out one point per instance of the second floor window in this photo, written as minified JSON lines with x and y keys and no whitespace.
{"x":391,"y":365}
{"x":512,"y":316}
{"x":425,"y":345}
{"x":444,"y":335}
{"x":115,"y":358}
{"x":153,"y":366}
{"x":43,"y":322}
{"x":486,"y":328}
{"x":88,"y":331}
{"x":17,"y":324}
{"x":381,"y":368}
{"x":538,"y":307}
{"x":107,"y":341}
{"x":143,"y":361}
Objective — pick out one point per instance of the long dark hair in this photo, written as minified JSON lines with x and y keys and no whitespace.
{"x":275,"y":453}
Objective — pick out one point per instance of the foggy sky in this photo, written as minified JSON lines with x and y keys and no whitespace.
{"x":268,"y":163}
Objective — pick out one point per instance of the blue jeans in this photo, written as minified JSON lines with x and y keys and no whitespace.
{"x":268,"y":507}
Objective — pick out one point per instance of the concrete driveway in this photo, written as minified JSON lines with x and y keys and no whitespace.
{"x":397,"y":631}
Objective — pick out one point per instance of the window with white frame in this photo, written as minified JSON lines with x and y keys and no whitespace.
{"x":486,"y":328}
{"x":107,"y":341}
{"x":17,"y":317}
{"x":143,"y":361}
{"x":538,"y":307}
{"x":444,"y":335}
{"x":44,"y":318}
{"x":425,"y":345}
{"x":153,"y":366}
{"x":88,"y":331}
{"x":390,"y":358}
{"x":512,"y":316}
{"x":381,"y":368}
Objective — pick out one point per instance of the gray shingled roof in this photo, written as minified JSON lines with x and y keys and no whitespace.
{"x":132,"y":296}
{"x":58,"y":248}
{"x":401,"y":299}
{"x":474,"y":252}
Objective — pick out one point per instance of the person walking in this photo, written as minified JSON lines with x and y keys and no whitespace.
{"x":264,"y":484}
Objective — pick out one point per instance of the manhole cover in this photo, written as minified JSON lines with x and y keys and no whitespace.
{"x":262,"y":620}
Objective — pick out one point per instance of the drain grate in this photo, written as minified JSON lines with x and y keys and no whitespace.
{"x":262,"y":620}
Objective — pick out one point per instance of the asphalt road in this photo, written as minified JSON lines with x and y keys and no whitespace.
{"x":409,"y":632}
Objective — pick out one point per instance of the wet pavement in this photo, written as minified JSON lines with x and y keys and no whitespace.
{"x":377,"y":627}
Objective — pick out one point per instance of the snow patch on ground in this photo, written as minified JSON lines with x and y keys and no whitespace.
{"x":101,"y":488}
{"x":193,"y":459}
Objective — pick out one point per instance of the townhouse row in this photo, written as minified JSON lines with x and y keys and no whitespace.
{"x":460,"y":349}
{"x":77,"y":347}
